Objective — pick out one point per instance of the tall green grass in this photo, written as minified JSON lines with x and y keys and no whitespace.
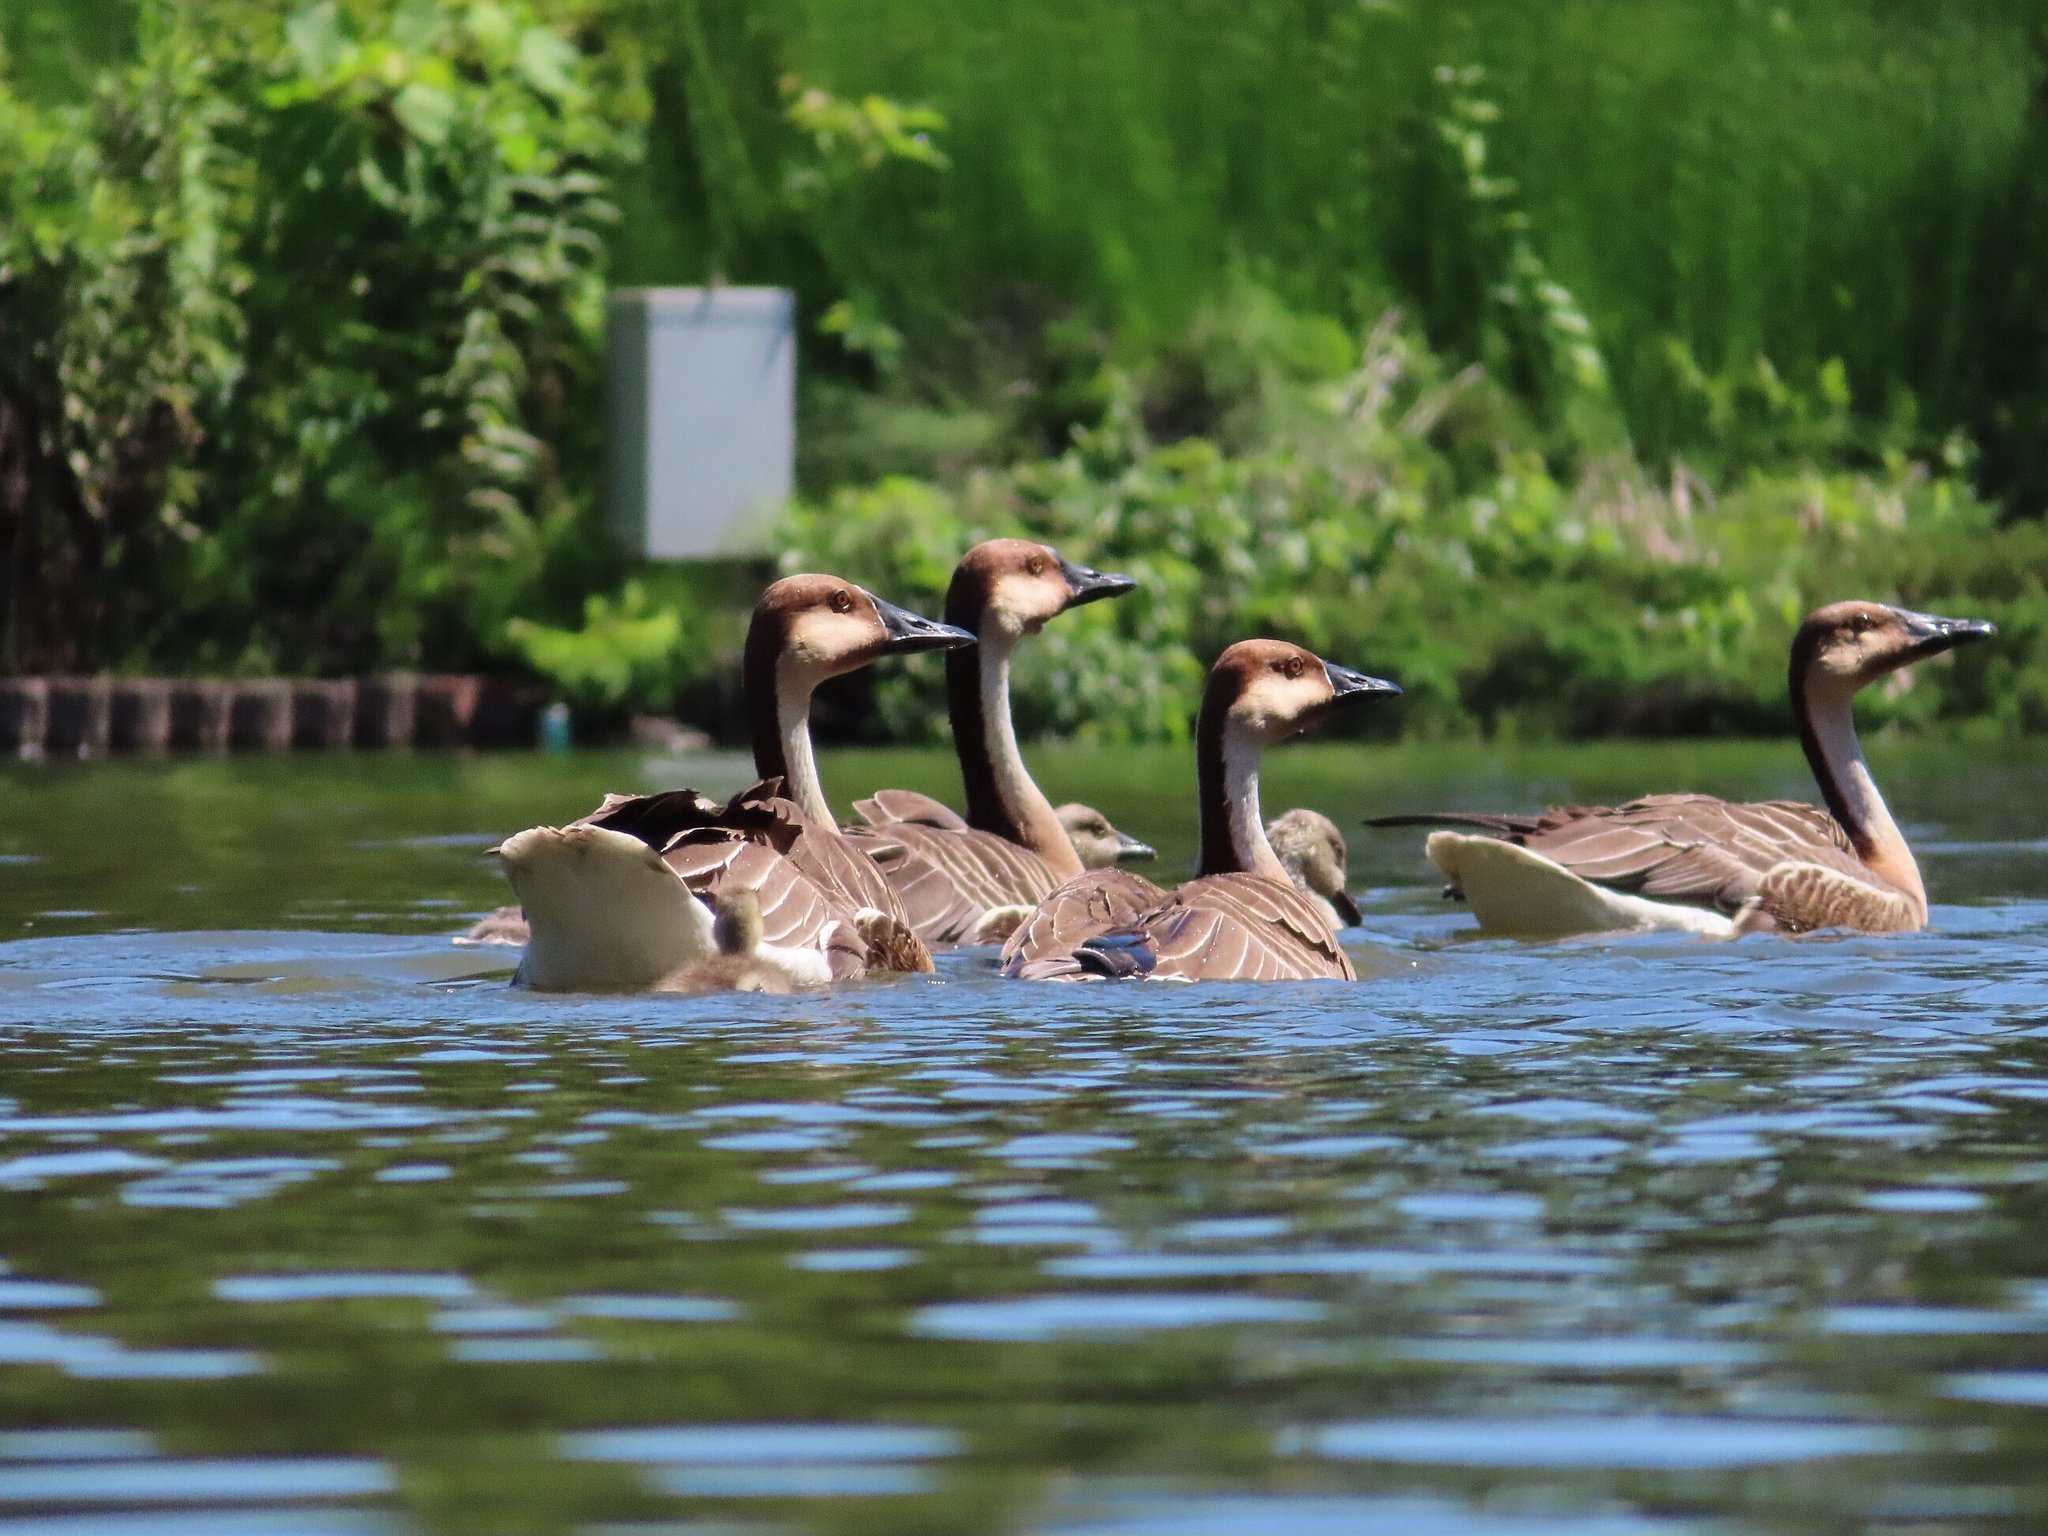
{"x":1712,"y":181}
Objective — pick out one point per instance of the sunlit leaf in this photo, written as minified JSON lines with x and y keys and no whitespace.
{"x":427,"y":111}
{"x":316,"y":39}
{"x":546,"y":59}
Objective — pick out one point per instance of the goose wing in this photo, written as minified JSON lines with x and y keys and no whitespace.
{"x":1241,"y":927}
{"x":812,"y":885}
{"x":1697,"y":850}
{"x":795,"y":912}
{"x":886,"y":807}
{"x":1086,"y":906}
{"x":950,"y":879}
{"x":1694,"y":849}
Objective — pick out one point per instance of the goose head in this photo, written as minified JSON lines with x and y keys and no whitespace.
{"x":1310,"y":846}
{"x":1847,"y":646}
{"x":1096,"y":842}
{"x":1009,"y":588}
{"x":822,"y":626}
{"x":1264,"y":691}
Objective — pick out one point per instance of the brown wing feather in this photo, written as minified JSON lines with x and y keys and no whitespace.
{"x":766,"y":814}
{"x":1692,"y":848}
{"x":1695,"y":849}
{"x":1217,"y":928}
{"x":949,"y":880}
{"x":656,"y":819}
{"x":929,"y":900}
{"x":813,"y":883}
{"x":1242,"y":927}
{"x":886,"y":807}
{"x":1087,"y":905}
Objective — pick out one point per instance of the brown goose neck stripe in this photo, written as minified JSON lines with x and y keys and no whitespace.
{"x":1805,"y":651}
{"x":1220,"y":855}
{"x":766,"y":636}
{"x":966,"y":605}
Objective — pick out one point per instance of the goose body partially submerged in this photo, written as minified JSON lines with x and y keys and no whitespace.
{"x":1719,"y":868}
{"x":616,"y":899}
{"x":1242,"y":918}
{"x":970,"y":879}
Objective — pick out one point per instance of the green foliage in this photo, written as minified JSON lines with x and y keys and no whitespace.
{"x":297,"y":316}
{"x":1510,"y":602}
{"x":1571,"y":193}
{"x":1678,"y":321}
{"x":628,"y":654}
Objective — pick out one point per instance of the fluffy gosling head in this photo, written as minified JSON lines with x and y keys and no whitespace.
{"x":1096,"y":842}
{"x":1312,"y":850}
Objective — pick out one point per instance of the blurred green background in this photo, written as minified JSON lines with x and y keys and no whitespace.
{"x":1550,"y":359}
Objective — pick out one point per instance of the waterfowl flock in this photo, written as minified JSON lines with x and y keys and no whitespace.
{"x":770,"y":891}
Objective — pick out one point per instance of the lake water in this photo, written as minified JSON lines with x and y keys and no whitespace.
{"x":310,"y":1225}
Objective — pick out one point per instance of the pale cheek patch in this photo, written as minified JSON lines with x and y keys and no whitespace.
{"x":1276,"y":705}
{"x":826,"y":643}
{"x":1029,"y":600}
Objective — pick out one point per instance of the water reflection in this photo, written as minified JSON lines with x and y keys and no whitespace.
{"x":325,"y":1232}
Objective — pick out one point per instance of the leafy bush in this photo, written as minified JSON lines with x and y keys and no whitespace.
{"x":629,"y":653}
{"x":298,"y":327}
{"x":1506,"y":602}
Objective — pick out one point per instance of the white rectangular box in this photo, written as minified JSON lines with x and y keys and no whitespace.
{"x":700,"y":417}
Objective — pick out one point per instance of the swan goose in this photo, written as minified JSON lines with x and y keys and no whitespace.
{"x":970,"y":880}
{"x":1097,"y":841}
{"x":1242,"y":918}
{"x":1716,"y":867}
{"x":612,"y":900}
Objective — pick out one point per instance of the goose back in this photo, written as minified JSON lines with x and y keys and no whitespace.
{"x":1778,"y":864}
{"x":1230,"y":927}
{"x":949,"y":879}
{"x":890,"y":807}
{"x":812,"y":888}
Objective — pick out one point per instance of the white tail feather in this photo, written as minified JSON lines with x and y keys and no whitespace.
{"x":1524,"y":895}
{"x":605,"y":911}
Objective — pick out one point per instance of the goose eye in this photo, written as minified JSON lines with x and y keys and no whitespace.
{"x":842,"y":601}
{"x":1035,"y":565}
{"x":1291,"y":666}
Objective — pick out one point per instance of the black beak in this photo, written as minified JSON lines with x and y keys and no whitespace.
{"x":1932,"y":634}
{"x":1347,"y":684}
{"x":1347,"y":909}
{"x":1089,"y":586}
{"x":1130,"y":851}
{"x":909,"y":633}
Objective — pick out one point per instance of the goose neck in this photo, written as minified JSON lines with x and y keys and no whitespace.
{"x":1827,"y":731}
{"x":779,"y":717}
{"x":1233,"y":832}
{"x":1002,"y":797}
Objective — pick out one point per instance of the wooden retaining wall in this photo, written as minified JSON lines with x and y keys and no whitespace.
{"x":93,"y":716}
